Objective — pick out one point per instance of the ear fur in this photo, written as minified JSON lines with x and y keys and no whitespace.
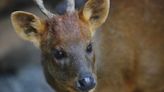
{"x":27,"y":26}
{"x":96,"y":12}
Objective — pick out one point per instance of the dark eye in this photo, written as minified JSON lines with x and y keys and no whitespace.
{"x":59,"y":54}
{"x":89,"y":48}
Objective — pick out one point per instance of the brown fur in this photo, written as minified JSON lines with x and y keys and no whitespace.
{"x":68,"y":28}
{"x":131,"y":47}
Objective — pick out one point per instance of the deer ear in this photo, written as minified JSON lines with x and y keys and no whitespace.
{"x":96,"y":12}
{"x":28,"y":26}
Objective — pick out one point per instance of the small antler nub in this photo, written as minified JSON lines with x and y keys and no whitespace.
{"x":43,"y":9}
{"x":70,"y":6}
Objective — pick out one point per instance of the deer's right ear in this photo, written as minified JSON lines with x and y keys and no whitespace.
{"x":28,"y":26}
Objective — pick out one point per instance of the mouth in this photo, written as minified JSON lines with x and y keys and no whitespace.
{"x":76,"y":89}
{"x":86,"y":84}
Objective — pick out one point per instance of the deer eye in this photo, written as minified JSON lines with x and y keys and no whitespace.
{"x":89,"y":48}
{"x":59,"y":54}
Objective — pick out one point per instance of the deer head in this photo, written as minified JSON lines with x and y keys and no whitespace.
{"x":65,"y":42}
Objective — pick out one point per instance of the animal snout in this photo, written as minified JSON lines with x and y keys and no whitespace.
{"x":86,"y":83}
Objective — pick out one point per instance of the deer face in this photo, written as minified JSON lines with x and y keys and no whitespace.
{"x":68,"y":56}
{"x":66,"y":44}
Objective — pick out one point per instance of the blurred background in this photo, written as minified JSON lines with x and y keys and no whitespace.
{"x":20,"y":69}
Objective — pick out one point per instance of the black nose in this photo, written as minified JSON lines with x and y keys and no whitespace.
{"x":86,"y":83}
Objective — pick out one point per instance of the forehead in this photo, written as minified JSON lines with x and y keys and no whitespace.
{"x":69,"y":28}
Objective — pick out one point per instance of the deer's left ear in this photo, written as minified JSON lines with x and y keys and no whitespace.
{"x":96,"y":12}
{"x":28,"y":26}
